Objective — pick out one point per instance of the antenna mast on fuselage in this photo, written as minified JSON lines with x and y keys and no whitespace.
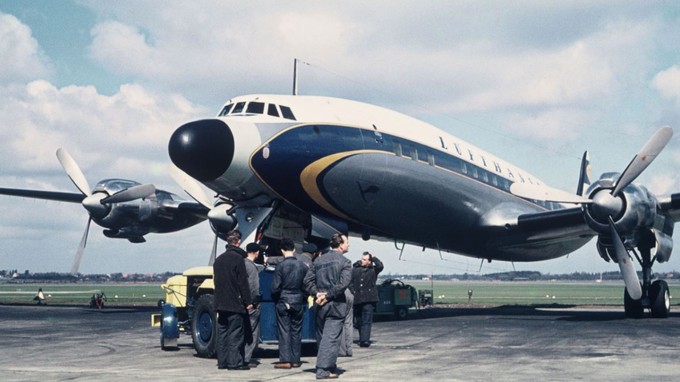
{"x":295,"y":76}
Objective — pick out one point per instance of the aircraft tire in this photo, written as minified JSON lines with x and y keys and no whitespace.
{"x":204,"y":326}
{"x":633,"y":308}
{"x":660,"y":300}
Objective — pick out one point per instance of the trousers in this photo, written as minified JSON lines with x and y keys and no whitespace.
{"x":364,"y":316}
{"x":230,"y":340}
{"x":252,"y":333}
{"x":329,"y":322}
{"x":289,"y":324}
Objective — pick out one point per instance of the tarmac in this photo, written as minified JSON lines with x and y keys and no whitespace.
{"x":72,"y":343}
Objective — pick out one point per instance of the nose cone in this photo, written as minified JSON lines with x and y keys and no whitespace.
{"x":203,"y":149}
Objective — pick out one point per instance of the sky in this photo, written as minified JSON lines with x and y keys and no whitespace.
{"x":533,"y":82}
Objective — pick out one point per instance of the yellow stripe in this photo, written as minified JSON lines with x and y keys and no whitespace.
{"x":309,"y":175}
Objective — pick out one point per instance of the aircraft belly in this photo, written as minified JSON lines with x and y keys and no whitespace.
{"x":411,"y":200}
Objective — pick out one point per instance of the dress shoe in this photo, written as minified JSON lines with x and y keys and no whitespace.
{"x":364,"y":344}
{"x":296,"y":364}
{"x":327,"y":376}
{"x":253,"y":365}
{"x":242,"y":367}
{"x":283,"y":365}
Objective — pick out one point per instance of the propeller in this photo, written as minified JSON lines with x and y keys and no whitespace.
{"x":630,"y":277}
{"x":73,"y":171}
{"x":606,"y":205}
{"x":216,"y":214}
{"x":96,"y":204}
{"x":129,"y":194}
{"x":190,"y":186}
{"x":644,"y":158}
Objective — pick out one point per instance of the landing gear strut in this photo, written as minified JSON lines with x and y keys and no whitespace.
{"x":655,"y":295}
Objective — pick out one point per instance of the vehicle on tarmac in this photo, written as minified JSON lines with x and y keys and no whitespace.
{"x":395,"y":298}
{"x":189,"y":308}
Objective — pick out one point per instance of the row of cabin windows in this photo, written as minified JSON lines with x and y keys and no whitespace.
{"x":258,"y":108}
{"x":465,"y":168}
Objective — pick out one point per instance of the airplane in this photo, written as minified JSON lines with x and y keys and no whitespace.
{"x":125,"y":208}
{"x":304,"y":167}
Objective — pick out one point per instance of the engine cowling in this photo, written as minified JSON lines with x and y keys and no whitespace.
{"x":632,"y":211}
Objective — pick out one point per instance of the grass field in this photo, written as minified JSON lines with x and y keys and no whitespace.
{"x":527,"y":293}
{"x":128,"y":294}
{"x":445,"y":292}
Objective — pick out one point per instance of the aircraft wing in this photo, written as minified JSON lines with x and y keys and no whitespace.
{"x":69,"y":197}
{"x":190,"y":208}
{"x":534,"y":236}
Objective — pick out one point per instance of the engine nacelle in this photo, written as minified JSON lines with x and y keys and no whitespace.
{"x":633,"y":210}
{"x":221,"y":221}
{"x":664,"y":246}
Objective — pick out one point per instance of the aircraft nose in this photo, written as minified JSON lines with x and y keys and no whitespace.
{"x":203,"y":149}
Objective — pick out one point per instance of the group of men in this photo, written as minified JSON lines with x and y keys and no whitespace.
{"x":330,"y":280}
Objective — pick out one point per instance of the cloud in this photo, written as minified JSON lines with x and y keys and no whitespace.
{"x":95,"y":128}
{"x":667,"y":83}
{"x":21,"y":56}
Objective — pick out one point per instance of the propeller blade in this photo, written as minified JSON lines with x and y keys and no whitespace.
{"x":630,"y":277}
{"x":546,"y":193}
{"x":73,"y":171}
{"x":644,"y":158}
{"x":213,"y":254}
{"x":132,"y":193}
{"x":190,"y":186}
{"x":81,"y":249}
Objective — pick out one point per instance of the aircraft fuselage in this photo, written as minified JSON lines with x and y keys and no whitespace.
{"x":382,"y":173}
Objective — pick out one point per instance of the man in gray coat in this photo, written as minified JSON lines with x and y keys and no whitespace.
{"x":327,"y":279}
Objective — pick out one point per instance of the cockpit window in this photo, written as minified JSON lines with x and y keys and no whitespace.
{"x":225,"y":110}
{"x":271,"y":110}
{"x":238,"y":108}
{"x":255,"y":108}
{"x":287,"y":113}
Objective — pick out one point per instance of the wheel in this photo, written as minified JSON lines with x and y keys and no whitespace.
{"x":659,"y":299}
{"x":204,"y":326}
{"x":401,"y":313}
{"x":633,"y":308}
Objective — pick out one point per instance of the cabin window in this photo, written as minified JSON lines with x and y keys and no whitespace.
{"x":406,"y":151}
{"x":255,"y":108}
{"x":271,"y":110}
{"x":430,"y":159}
{"x":422,"y":156}
{"x":397,"y":148}
{"x":238,"y":108}
{"x":463,"y":167}
{"x":485,"y":176}
{"x":378,"y":136}
{"x":225,"y":110}
{"x":414,"y":153}
{"x":287,"y":113}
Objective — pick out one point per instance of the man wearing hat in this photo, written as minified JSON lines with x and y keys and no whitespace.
{"x":252,"y":332}
{"x":308,"y":254}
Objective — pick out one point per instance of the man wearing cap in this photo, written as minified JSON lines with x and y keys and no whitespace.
{"x":252,"y":330}
{"x":364,"y":276}
{"x":308,"y":254}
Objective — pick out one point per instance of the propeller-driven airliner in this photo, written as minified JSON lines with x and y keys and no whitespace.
{"x":125,"y":208}
{"x":306,"y":166}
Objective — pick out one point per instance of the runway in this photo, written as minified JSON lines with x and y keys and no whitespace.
{"x":57,"y":343}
